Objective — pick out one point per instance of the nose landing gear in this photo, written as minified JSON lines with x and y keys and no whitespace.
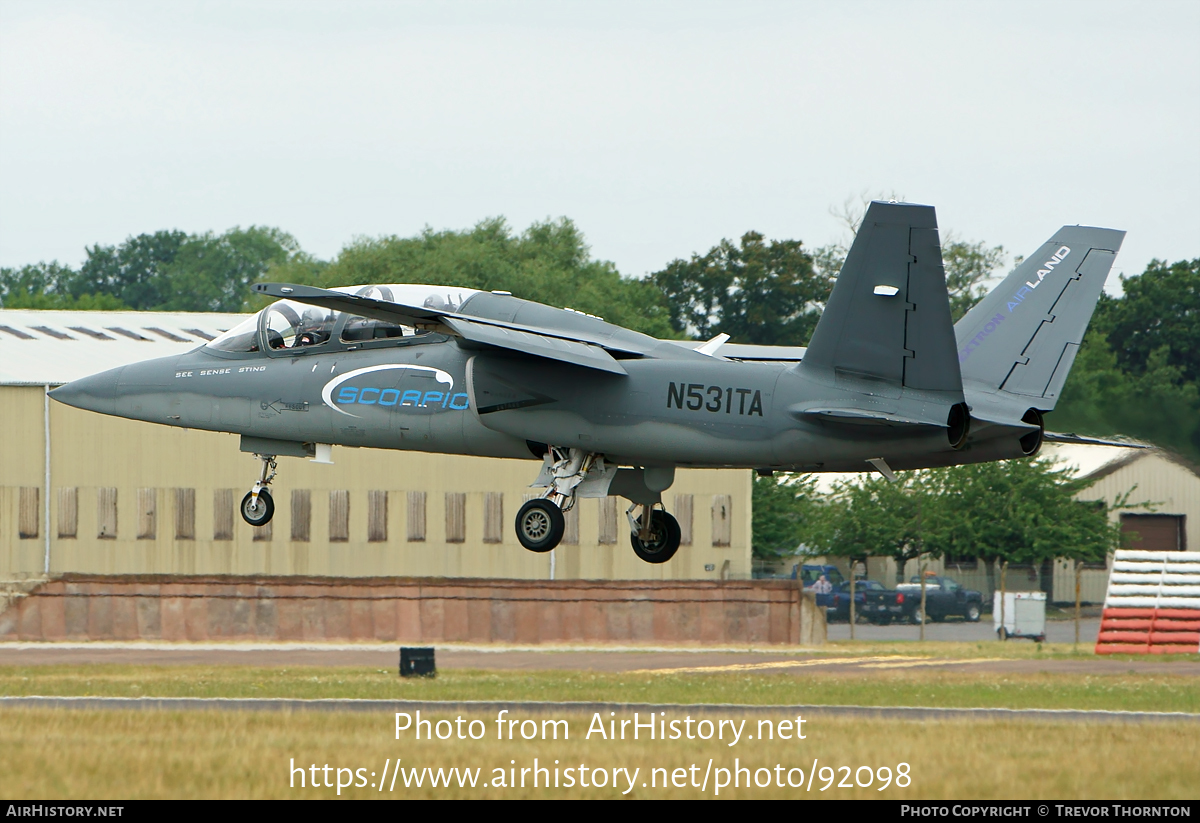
{"x":257,"y":506}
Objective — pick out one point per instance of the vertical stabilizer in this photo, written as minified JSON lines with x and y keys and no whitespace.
{"x":1022,"y":338}
{"x":887,"y":322}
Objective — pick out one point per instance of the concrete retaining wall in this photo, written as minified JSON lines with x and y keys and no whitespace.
{"x":420,"y":610}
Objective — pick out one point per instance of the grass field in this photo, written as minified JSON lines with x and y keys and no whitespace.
{"x":887,"y":687}
{"x":127,"y":755}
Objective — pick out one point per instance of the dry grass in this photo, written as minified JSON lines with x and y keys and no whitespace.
{"x":127,"y":755}
{"x":922,"y":686}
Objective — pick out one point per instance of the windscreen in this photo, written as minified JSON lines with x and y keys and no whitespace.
{"x":241,"y":338}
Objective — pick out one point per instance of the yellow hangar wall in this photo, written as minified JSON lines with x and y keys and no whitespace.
{"x":136,"y":498}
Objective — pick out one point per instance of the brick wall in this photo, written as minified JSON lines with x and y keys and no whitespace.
{"x":424,"y":610}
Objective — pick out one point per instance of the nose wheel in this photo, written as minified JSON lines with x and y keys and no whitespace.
{"x":257,"y":506}
{"x":258,"y":512}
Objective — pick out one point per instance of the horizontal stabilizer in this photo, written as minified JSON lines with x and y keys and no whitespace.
{"x":1076,"y":439}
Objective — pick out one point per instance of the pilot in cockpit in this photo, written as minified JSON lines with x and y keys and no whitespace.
{"x":314,"y":328}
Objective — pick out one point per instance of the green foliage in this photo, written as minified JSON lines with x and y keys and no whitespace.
{"x":1159,"y":311}
{"x":787,"y":510}
{"x":968,"y":268}
{"x":131,"y":272}
{"x":549,"y":262}
{"x":873,"y":516}
{"x":757,"y":292}
{"x":164,"y":271}
{"x":1135,"y":373}
{"x":1020,"y":511}
{"x":46,"y":286}
{"x":214,"y":272}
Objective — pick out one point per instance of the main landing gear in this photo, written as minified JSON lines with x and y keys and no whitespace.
{"x":541,"y":522}
{"x":655,"y":540}
{"x":257,"y":506}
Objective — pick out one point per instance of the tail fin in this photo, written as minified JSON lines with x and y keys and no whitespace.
{"x":1022,"y":338}
{"x":887,"y":321}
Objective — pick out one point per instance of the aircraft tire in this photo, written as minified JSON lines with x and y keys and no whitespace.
{"x":540,"y":525}
{"x":665,"y":535}
{"x":262,"y":513}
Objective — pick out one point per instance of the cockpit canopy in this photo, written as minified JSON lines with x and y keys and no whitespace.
{"x":287,"y":325}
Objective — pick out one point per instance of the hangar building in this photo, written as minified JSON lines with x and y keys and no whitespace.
{"x":84,"y":492}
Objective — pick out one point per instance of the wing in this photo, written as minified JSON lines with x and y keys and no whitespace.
{"x":576,"y":347}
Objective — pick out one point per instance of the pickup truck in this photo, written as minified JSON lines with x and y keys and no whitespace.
{"x":943,"y":597}
{"x":873,"y":602}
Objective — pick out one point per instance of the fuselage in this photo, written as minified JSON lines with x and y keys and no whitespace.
{"x":355,"y":382}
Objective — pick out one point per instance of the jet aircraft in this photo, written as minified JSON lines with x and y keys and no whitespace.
{"x":887,"y":382}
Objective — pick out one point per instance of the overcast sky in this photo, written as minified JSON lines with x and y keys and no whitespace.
{"x":659,"y":127}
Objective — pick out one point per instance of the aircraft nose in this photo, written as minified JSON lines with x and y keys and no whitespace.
{"x":97,"y":392}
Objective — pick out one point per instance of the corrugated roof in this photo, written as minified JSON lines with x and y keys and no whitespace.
{"x":55,"y":347}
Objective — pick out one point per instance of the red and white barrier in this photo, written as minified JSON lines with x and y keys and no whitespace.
{"x":1152,"y":605}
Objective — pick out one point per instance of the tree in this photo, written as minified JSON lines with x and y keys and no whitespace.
{"x":215,"y":272}
{"x":1160,"y":310}
{"x":874,"y":516}
{"x":47,"y":286}
{"x":1016,"y":511}
{"x":787,"y":512}
{"x":968,"y":268}
{"x":549,"y":262}
{"x":132,"y":272}
{"x":757,"y":292}
{"x":968,"y":265}
{"x":1158,"y":405}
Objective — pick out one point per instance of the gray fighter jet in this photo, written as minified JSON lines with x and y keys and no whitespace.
{"x":886,"y":383}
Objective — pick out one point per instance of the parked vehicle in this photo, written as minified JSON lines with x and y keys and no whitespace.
{"x":944,"y":597}
{"x":873,"y":602}
{"x":810,"y":575}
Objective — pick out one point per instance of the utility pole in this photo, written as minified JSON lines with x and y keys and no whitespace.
{"x":921,"y":567}
{"x":853,"y":609}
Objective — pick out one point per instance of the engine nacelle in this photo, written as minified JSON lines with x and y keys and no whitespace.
{"x":958,"y":425}
{"x":1032,"y":442}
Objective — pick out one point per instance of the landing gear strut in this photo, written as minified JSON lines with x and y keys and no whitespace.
{"x":257,"y":506}
{"x":654,"y":534}
{"x":540,"y":522}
